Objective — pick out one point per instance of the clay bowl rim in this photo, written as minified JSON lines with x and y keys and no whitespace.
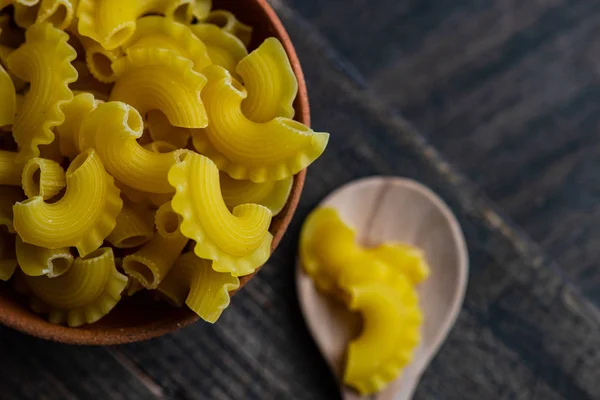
{"x":37,"y":326}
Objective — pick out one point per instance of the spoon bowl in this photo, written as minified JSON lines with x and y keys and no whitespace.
{"x":383,"y":209}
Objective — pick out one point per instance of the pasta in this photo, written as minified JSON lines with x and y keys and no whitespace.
{"x":10,"y":169}
{"x":407,"y":260}
{"x":84,"y":294}
{"x":245,"y":149}
{"x":270,"y":82}
{"x":223,"y":48}
{"x":193,"y":281}
{"x":38,"y":261}
{"x":117,"y":125}
{"x":390,"y":333}
{"x":272,"y":194}
{"x":98,"y":59}
{"x":201,"y":9}
{"x":8,"y":260}
{"x":151,"y":263}
{"x":160,"y":32}
{"x":228,"y":22}
{"x":133,"y":228}
{"x":51,"y":151}
{"x":237,"y":242}
{"x":8,"y":99}
{"x":9,"y":195}
{"x":113,"y":22}
{"x":41,"y":177}
{"x":45,"y":61}
{"x":59,"y":13}
{"x":75,"y":112}
{"x":161,"y":130}
{"x":158,"y":79}
{"x":76,"y":220}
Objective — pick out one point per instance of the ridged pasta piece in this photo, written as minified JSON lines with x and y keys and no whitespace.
{"x":272,"y":194}
{"x":160,"y":129}
{"x":59,"y":13}
{"x":41,"y":177}
{"x":8,"y":99}
{"x":112,"y":22}
{"x":237,"y":242}
{"x":407,"y":260}
{"x":44,"y":61}
{"x":9,"y":195}
{"x":38,"y":261}
{"x":8,"y":259}
{"x":223,"y":48}
{"x":82,"y":218}
{"x":228,"y":22}
{"x":152,"y":263}
{"x":159,"y":32}
{"x":270,"y":82}
{"x":99,"y":60}
{"x":134,"y":227}
{"x":88,"y":84}
{"x":160,"y":147}
{"x":88,"y":291}
{"x":201,"y":9}
{"x":10,"y":169}
{"x":159,"y":79}
{"x":75,"y":112}
{"x":18,"y":83}
{"x":245,"y":149}
{"x":133,"y":287}
{"x":193,"y":281}
{"x":112,"y":129}
{"x":390,"y":333}
{"x":51,"y":151}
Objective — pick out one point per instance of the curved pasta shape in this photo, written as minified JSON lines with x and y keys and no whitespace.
{"x":152,"y":263}
{"x":89,"y":290}
{"x":98,"y":59}
{"x":245,"y":149}
{"x":41,"y":177}
{"x":52,"y":151}
{"x":9,"y":195}
{"x":223,"y":48}
{"x":134,"y":227}
{"x":38,"y":261}
{"x":391,"y":323}
{"x":8,"y":259}
{"x":8,"y":98}
{"x":44,"y":61}
{"x":270,"y":82}
{"x":75,"y":112}
{"x":158,"y":79}
{"x":161,"y":130}
{"x":10,"y":169}
{"x":228,"y":22}
{"x":160,"y":147}
{"x":201,"y":9}
{"x":237,"y":242}
{"x":88,"y":84}
{"x":82,"y":218}
{"x":18,"y":83}
{"x":159,"y":32}
{"x":112,"y":129}
{"x":113,"y":22}
{"x":272,"y":194}
{"x":59,"y":13}
{"x":193,"y":281}
{"x":405,"y":259}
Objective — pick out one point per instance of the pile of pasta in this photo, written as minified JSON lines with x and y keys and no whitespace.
{"x":142,"y":148}
{"x":379,"y":283}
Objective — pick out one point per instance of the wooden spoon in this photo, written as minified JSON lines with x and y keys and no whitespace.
{"x":394,"y":209}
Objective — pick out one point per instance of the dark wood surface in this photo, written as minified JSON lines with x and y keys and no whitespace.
{"x":505,"y":91}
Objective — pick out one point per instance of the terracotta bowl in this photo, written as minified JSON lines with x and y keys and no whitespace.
{"x":140,"y":318}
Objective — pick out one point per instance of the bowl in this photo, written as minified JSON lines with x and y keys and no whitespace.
{"x":139,"y":318}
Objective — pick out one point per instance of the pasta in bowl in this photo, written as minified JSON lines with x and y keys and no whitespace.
{"x":164,"y":134}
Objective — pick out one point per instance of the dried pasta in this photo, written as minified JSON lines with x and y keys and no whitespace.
{"x":98,"y":59}
{"x":8,"y":98}
{"x":228,"y":22}
{"x":223,"y":48}
{"x":59,"y":13}
{"x":41,"y":177}
{"x":10,"y":169}
{"x":245,"y":149}
{"x":76,"y":220}
{"x":405,"y":259}
{"x":238,"y":242}
{"x":44,"y":61}
{"x":134,"y":227}
{"x":161,"y":130}
{"x":9,"y":195}
{"x":75,"y":112}
{"x":38,"y":261}
{"x":272,"y":194}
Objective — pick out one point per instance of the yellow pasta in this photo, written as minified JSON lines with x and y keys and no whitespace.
{"x":272,"y":194}
{"x":89,"y":290}
{"x":99,"y":60}
{"x":133,"y":286}
{"x":245,"y":149}
{"x":112,"y":129}
{"x":8,"y":259}
{"x":38,"y":261}
{"x":270,"y":82}
{"x":158,"y":79}
{"x":10,"y":169}
{"x":237,"y":242}
{"x":9,"y":195}
{"x":193,"y":281}
{"x":8,"y":99}
{"x":51,"y":151}
{"x":44,"y":61}
{"x":164,"y":33}
{"x":390,"y":333}
{"x":82,"y":218}
{"x":18,"y":83}
{"x":113,"y":22}
{"x":41,"y":177}
{"x":134,"y":227}
{"x":152,"y":263}
{"x":223,"y":48}
{"x":161,"y":130}
{"x":59,"y":13}
{"x":160,"y":147}
{"x":404,"y":259}
{"x":228,"y":22}
{"x":201,"y":9}
{"x":75,"y":111}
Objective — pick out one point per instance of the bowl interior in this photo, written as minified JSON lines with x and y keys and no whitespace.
{"x":140,"y":317}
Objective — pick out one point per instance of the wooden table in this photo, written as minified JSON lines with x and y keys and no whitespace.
{"x":505,"y":98}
